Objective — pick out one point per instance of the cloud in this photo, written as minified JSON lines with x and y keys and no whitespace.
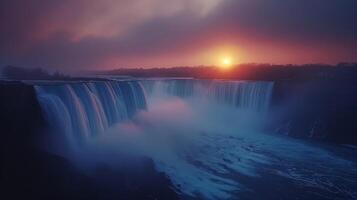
{"x":86,"y":34}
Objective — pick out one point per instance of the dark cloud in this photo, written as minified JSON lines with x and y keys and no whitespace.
{"x":86,"y":34}
{"x":301,"y":19}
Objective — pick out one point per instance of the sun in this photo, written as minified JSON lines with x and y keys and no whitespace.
{"x":226,"y":62}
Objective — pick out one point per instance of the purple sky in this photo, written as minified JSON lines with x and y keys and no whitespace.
{"x":92,"y":34}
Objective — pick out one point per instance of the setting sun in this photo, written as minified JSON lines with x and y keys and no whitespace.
{"x":226,"y":63}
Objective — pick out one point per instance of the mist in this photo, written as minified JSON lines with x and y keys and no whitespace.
{"x":207,"y":146}
{"x":197,"y":144}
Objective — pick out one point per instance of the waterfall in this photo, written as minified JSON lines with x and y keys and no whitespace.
{"x":81,"y":110}
{"x":84,"y":109}
{"x":250,"y":95}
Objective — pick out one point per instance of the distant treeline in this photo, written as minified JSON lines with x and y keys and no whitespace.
{"x":22,"y":73}
{"x":19,"y":73}
{"x":247,"y":72}
{"x":343,"y":71}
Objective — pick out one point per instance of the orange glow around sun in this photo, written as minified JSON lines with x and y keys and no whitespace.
{"x":224,"y":57}
{"x":226,"y":63}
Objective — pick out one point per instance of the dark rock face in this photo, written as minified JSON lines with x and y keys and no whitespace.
{"x":316,"y":109}
{"x":20,"y":115}
{"x":27,"y":172}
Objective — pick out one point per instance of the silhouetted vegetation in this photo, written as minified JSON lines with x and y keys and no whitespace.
{"x":342,"y":71}
{"x":248,"y":72}
{"x":19,"y":73}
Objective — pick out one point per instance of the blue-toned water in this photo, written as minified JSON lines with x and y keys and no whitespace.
{"x":208,"y":137}
{"x":82,"y":110}
{"x":248,"y":95}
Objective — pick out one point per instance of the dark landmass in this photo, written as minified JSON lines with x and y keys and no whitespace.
{"x":247,"y":72}
{"x":268,"y":72}
{"x":322,"y":110}
{"x":20,"y":73}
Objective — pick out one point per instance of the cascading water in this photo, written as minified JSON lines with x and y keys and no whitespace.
{"x":203,"y":134}
{"x":81,"y":110}
{"x":250,"y":95}
{"x":84,"y":109}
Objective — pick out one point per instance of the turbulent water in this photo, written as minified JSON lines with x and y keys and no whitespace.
{"x":83,"y":110}
{"x":207,"y":136}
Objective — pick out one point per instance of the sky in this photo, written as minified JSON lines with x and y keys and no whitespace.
{"x":108,"y":34}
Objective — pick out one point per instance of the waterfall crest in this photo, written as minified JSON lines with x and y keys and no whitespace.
{"x":250,"y":95}
{"x":84,"y":109}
